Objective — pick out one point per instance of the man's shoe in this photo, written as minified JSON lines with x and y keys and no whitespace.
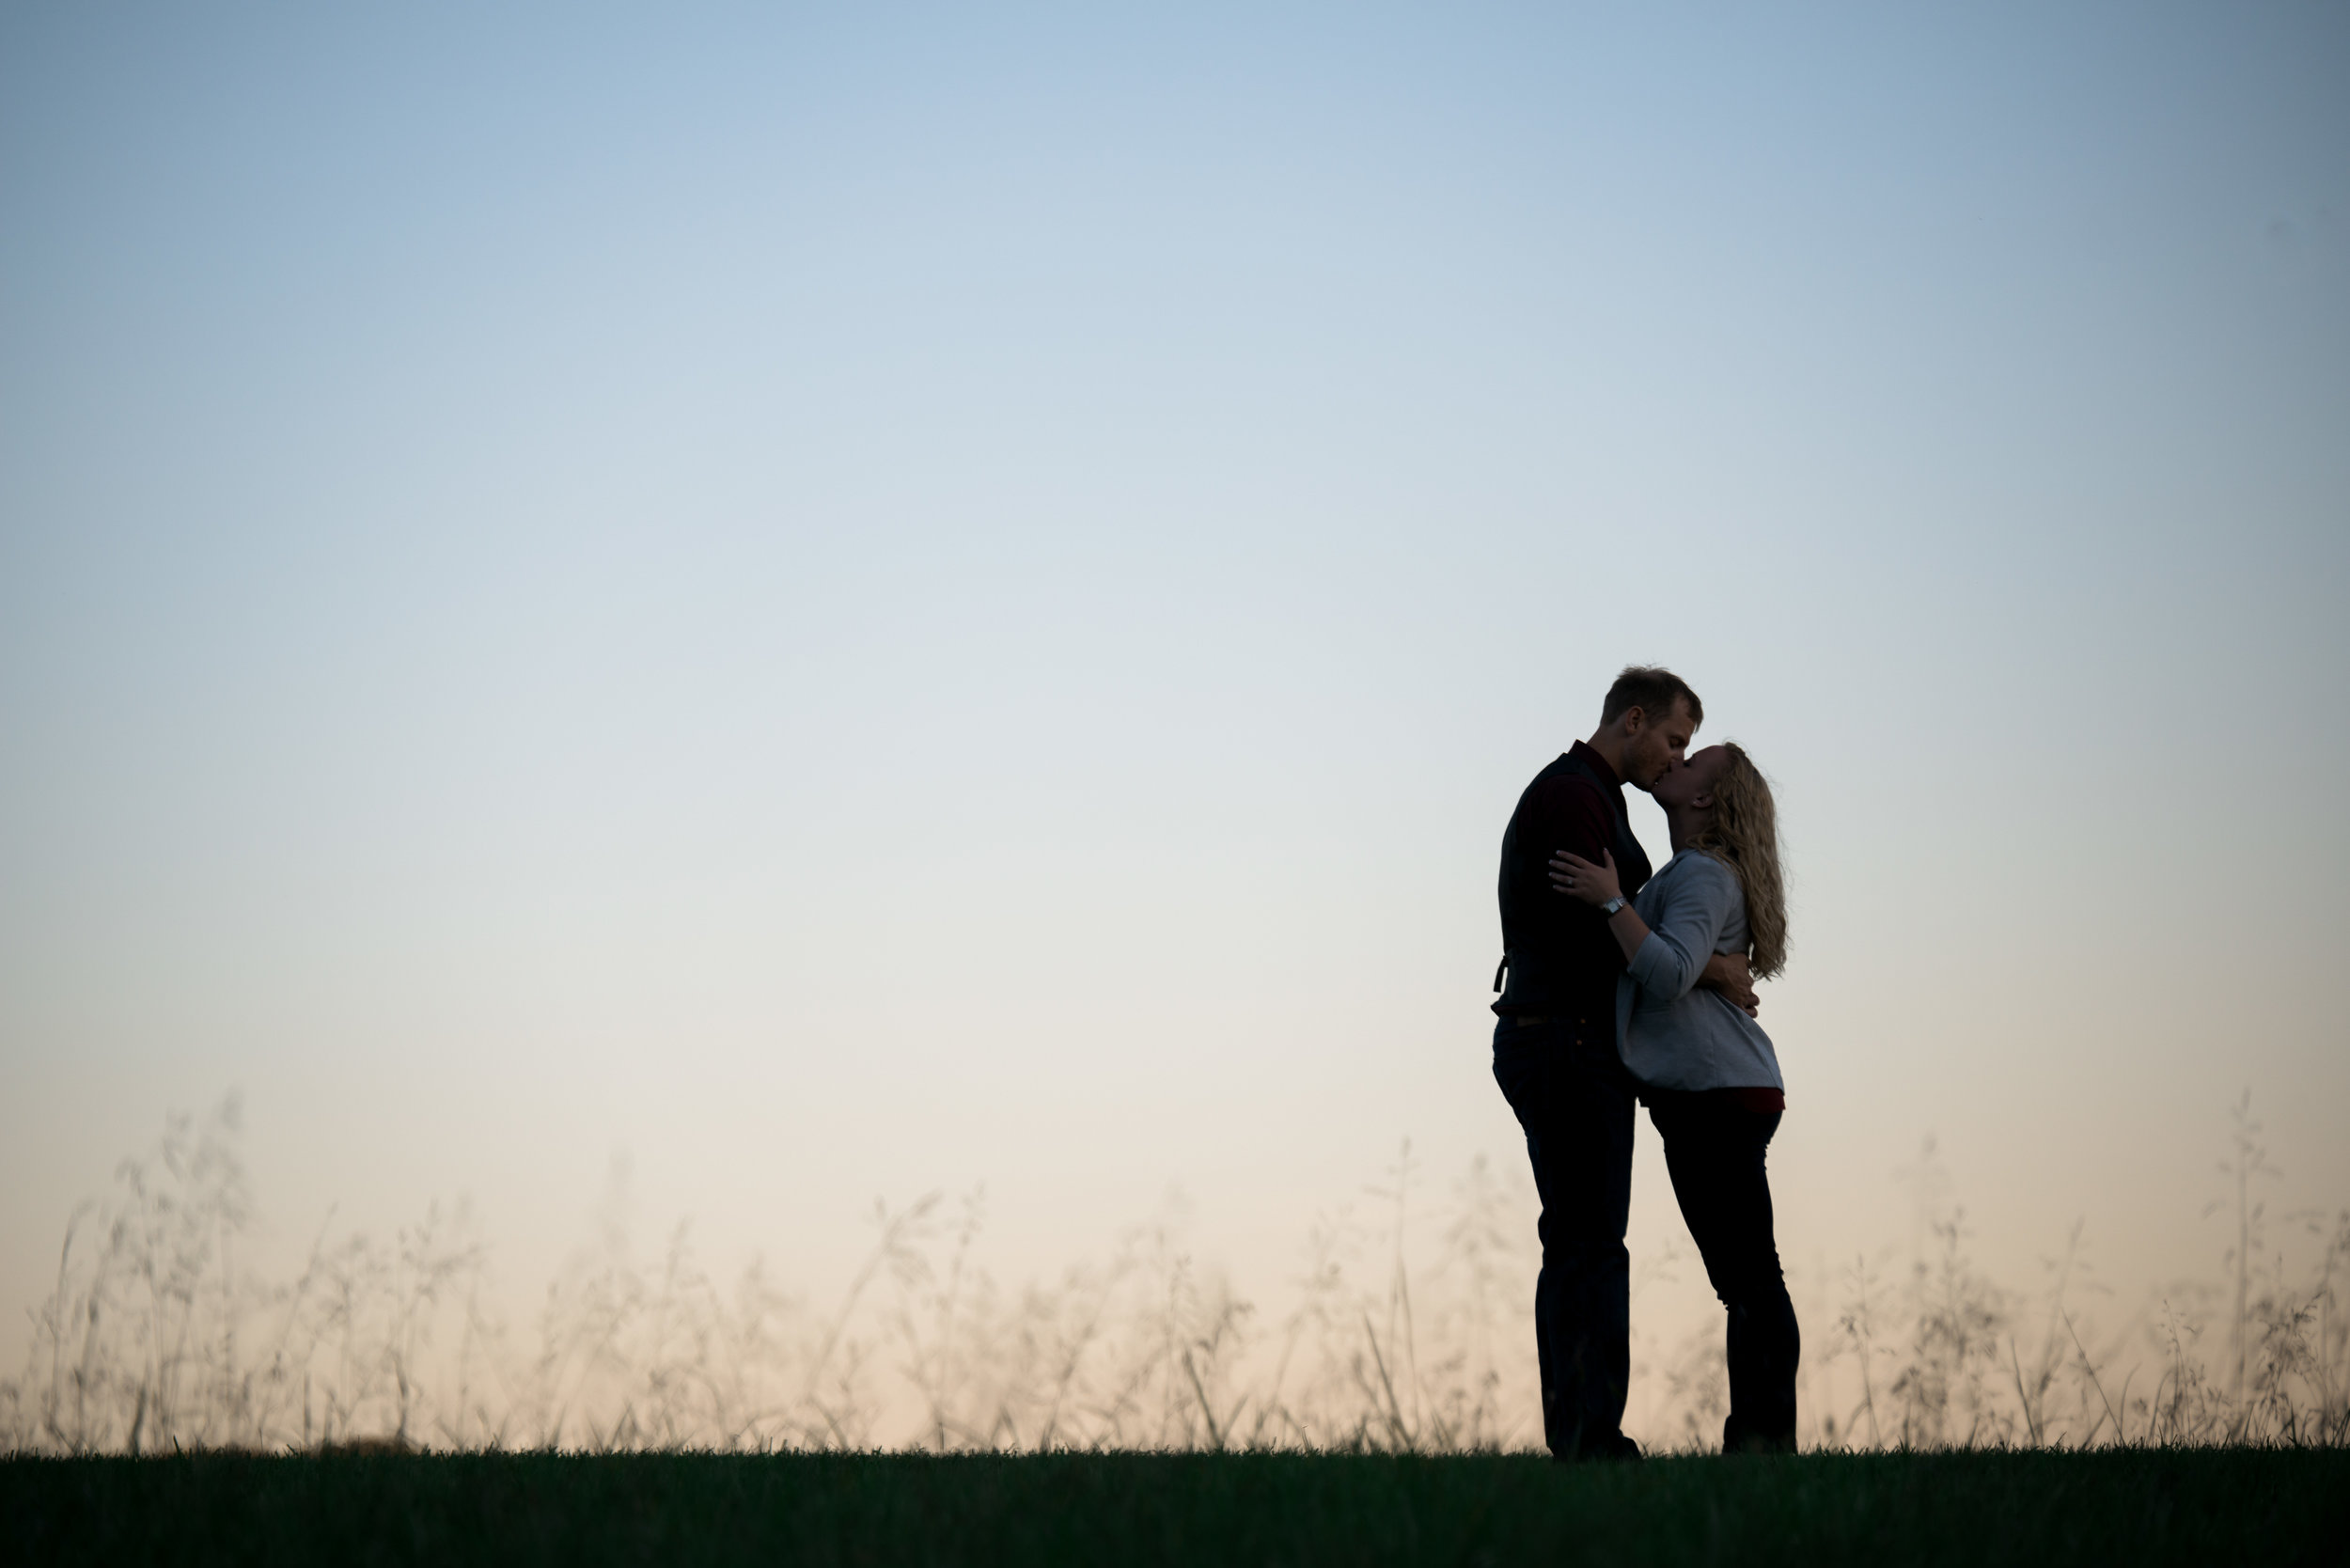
{"x":1739,"y":1438}
{"x":1615,"y":1446}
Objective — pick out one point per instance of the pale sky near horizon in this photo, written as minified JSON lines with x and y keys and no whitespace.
{"x":855,"y":602}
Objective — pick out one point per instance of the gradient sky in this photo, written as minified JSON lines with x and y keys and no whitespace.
{"x":848,"y":603}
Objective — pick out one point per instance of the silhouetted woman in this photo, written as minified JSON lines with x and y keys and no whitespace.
{"x":1707,"y":1072}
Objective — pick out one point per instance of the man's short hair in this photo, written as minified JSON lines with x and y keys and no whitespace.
{"x":1651,"y":688}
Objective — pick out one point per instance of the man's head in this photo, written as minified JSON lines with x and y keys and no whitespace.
{"x":1647,"y":723}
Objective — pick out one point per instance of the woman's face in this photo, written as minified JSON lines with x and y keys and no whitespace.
{"x":1690,"y":786}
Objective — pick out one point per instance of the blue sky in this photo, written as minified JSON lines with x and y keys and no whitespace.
{"x":854,"y":603}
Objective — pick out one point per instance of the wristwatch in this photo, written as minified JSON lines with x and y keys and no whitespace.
{"x":1607,"y":910}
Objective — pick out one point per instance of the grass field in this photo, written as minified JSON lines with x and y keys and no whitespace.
{"x":2261,"y":1507}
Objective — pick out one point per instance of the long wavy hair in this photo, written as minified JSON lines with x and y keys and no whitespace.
{"x":1743,"y":834}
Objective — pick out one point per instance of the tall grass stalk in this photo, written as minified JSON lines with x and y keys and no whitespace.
{"x":157,"y":1336}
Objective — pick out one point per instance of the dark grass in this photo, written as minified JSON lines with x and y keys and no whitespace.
{"x":2245,"y":1506}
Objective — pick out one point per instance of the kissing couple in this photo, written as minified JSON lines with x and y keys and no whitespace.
{"x":1629,"y":985}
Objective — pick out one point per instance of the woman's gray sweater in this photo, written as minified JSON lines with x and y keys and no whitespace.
{"x":1673,"y":1035}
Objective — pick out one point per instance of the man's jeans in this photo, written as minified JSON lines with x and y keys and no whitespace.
{"x":1574,"y":1098}
{"x":1714,"y":1146}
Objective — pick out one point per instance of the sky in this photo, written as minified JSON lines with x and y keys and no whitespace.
{"x":834,"y":604}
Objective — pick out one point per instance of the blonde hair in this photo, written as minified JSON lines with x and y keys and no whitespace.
{"x":1743,"y":834}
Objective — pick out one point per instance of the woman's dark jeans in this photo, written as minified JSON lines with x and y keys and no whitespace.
{"x":1575,"y":1100}
{"x":1714,"y":1146}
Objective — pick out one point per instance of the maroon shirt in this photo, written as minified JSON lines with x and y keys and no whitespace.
{"x":1561,"y":957}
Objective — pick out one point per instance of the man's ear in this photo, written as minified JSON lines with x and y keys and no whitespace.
{"x":1632,"y":720}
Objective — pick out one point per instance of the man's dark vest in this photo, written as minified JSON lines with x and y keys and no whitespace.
{"x":1546,"y":935}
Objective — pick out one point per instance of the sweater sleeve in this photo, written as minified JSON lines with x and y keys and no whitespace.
{"x":1692,"y":911}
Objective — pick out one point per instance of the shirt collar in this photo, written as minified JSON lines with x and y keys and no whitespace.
{"x":1597,"y":763}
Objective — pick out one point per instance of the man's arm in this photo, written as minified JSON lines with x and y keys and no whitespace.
{"x":1576,"y":819}
{"x":1728,"y":974}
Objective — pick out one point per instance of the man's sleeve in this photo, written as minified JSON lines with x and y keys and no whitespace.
{"x":1574,"y":816}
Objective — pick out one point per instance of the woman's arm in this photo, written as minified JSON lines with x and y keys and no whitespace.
{"x":1669,"y":960}
{"x":1726,"y":973}
{"x":1598,"y":885}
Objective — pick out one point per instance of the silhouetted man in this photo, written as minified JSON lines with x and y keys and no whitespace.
{"x":1555,"y":1052}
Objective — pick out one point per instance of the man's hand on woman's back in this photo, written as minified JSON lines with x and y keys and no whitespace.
{"x":1727,"y":972}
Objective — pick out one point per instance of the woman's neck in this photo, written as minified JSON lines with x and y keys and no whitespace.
{"x":1684,"y":824}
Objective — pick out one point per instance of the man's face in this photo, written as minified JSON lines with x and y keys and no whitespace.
{"x":1651,"y":747}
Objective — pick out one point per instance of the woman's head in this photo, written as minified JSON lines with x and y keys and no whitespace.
{"x":1726,"y":795}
